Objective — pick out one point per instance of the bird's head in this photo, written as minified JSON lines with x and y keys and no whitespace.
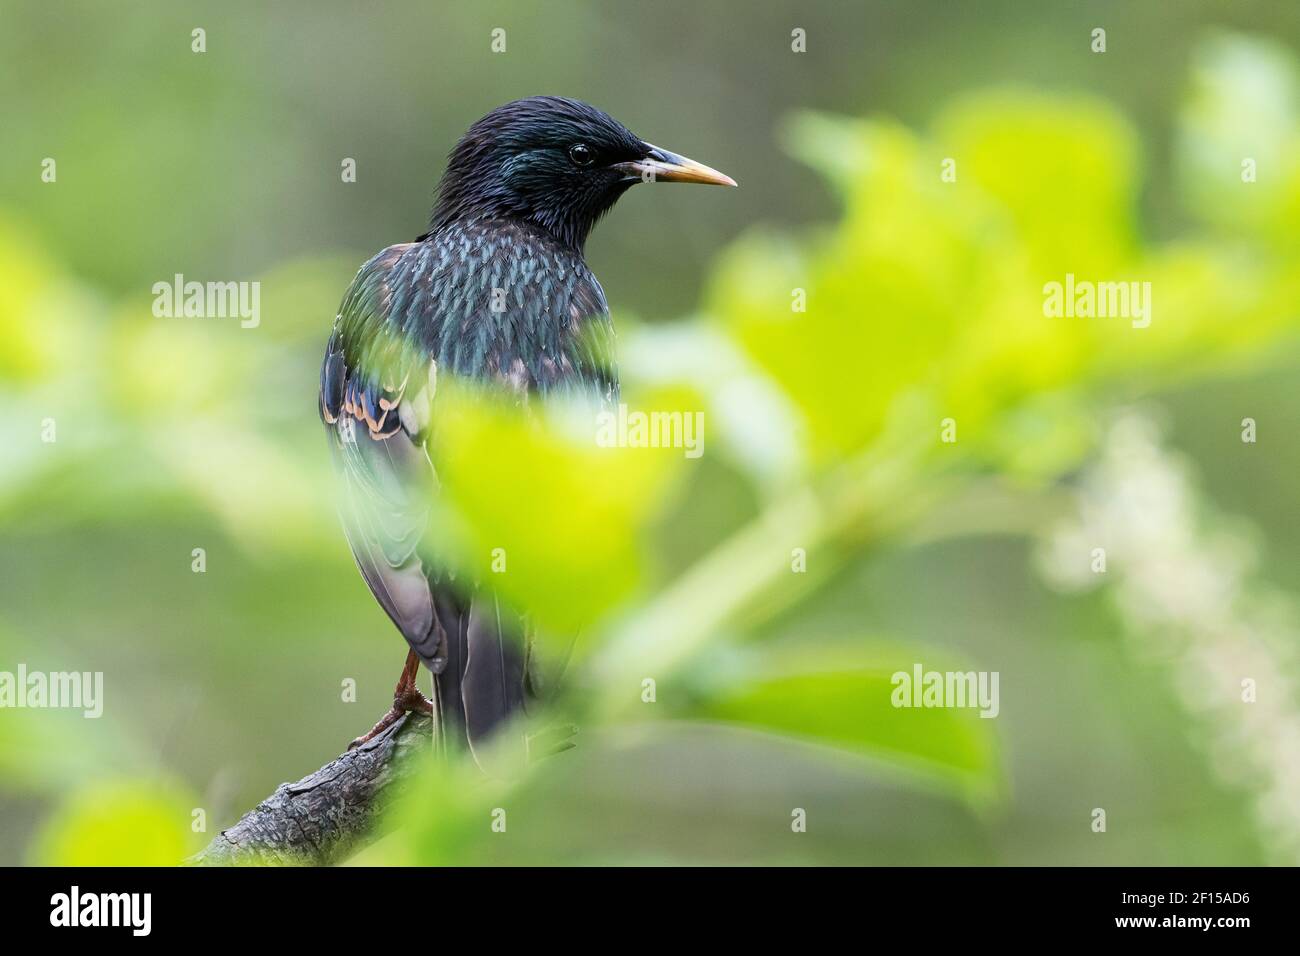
{"x":555,"y":162}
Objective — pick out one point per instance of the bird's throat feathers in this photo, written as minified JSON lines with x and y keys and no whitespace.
{"x":566,"y":215}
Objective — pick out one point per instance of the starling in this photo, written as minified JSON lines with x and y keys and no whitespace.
{"x":522,"y":190}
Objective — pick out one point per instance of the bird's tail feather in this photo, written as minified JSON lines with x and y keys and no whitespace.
{"x":483,"y":684}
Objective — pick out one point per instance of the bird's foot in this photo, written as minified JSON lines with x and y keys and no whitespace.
{"x":414,"y":703}
{"x":406,"y":699}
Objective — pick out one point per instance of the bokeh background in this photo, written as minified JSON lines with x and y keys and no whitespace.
{"x":1120,"y":691}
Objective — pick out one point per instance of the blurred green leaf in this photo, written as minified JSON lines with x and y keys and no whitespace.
{"x":532,"y":503}
{"x":1062,"y":168}
{"x":119,"y":823}
{"x":842,"y":698}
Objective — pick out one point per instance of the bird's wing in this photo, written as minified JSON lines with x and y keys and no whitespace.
{"x":370,"y":381}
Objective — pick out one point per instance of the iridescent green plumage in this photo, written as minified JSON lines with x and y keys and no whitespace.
{"x":497,"y":292}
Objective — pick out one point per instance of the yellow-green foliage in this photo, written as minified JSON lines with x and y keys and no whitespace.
{"x":924,"y":302}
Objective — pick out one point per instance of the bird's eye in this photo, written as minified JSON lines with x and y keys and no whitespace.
{"x":580,"y":154}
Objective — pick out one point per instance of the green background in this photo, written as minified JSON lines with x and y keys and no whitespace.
{"x":178,"y":434}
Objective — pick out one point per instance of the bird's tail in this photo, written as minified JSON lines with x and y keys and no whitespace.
{"x":481,"y":685}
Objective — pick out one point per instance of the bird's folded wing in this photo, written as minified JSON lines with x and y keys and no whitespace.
{"x":385,"y":516}
{"x":375,"y":394}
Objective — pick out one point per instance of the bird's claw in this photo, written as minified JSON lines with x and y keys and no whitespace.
{"x":406,"y":699}
{"x":414,"y":703}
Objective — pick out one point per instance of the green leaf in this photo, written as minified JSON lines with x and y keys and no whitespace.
{"x":844,"y":699}
{"x":849,"y":321}
{"x":535,"y":506}
{"x":120,"y":823}
{"x":1062,"y":168}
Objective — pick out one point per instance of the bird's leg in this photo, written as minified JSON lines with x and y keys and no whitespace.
{"x":406,"y":697}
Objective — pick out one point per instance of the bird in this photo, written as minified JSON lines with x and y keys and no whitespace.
{"x":522,"y":190}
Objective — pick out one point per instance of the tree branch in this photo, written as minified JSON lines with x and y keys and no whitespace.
{"x":329,"y":814}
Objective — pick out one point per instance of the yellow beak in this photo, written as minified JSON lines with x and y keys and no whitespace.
{"x":665,"y":167}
